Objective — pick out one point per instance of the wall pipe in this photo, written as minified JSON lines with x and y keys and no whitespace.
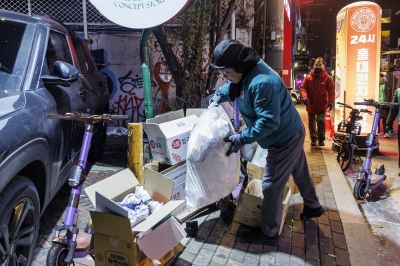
{"x":85,"y":30}
{"x":145,"y":61}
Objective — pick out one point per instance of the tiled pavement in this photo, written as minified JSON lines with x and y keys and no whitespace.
{"x":320,"y":241}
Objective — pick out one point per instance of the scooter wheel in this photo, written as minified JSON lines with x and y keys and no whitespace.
{"x":359,"y":188}
{"x":57,"y":254}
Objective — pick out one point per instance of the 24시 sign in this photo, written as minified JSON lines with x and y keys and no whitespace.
{"x":139,"y":14}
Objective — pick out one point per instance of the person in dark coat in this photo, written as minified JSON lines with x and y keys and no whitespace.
{"x":274,"y":123}
{"x":385,"y":95}
{"x":318,"y":94}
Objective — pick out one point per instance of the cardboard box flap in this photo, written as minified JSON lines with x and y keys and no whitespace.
{"x":153,"y":130}
{"x":159,"y":188}
{"x":157,"y":216}
{"x":112,"y":225}
{"x":176,"y":173}
{"x":178,"y":126}
{"x":109,"y":206}
{"x":195,"y":111}
{"x":166,"y":117}
{"x":170,"y":233}
{"x":113,"y":186}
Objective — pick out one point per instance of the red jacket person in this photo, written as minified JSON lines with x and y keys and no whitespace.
{"x":318,"y":94}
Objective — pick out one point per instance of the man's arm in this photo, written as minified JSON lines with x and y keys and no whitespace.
{"x":266,"y":102}
{"x":223,"y":91}
{"x":331,"y":90}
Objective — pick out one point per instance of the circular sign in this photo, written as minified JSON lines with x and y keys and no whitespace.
{"x":363,"y":19}
{"x":139,"y":14}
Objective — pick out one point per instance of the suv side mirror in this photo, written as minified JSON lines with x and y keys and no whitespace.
{"x":64,"y":74}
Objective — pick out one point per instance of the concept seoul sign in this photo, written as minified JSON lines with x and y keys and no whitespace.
{"x":139,"y":14}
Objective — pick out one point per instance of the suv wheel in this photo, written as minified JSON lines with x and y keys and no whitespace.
{"x":19,"y":222}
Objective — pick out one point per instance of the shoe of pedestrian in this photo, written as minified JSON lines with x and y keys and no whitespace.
{"x":311,"y":213}
{"x":258,"y":237}
{"x":313,"y":143}
{"x":386,"y":135}
{"x":321,"y":143}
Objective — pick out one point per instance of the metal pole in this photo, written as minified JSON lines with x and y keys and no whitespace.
{"x":144,"y":59}
{"x":233,"y":26}
{"x":84,"y":10}
{"x":264,"y":48}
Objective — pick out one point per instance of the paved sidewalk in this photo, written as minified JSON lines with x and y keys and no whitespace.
{"x":339,"y":237}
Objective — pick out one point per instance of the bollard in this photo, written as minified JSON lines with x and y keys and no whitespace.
{"x":135,"y":149}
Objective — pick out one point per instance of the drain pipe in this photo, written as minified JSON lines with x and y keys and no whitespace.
{"x":145,"y":61}
{"x":84,"y":10}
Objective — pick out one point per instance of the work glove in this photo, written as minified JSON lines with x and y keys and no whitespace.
{"x":305,"y":101}
{"x":236,"y":143}
{"x":329,"y":107}
{"x":216,"y":99}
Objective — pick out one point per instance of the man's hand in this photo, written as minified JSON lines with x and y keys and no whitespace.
{"x":329,"y":107}
{"x":236,"y":141}
{"x":305,"y":101}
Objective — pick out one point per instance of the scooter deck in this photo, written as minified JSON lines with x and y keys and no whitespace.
{"x":377,"y":179}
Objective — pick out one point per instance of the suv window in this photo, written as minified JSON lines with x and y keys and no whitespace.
{"x":15,"y":43}
{"x":84,"y":65}
{"x":57,"y":50}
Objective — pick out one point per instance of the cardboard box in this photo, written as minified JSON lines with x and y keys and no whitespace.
{"x":174,"y":176}
{"x":256,"y":172}
{"x":168,"y":136}
{"x":252,"y":203}
{"x":114,"y":239}
{"x":177,"y":173}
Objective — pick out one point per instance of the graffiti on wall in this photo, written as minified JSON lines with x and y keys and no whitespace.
{"x":130,"y":101}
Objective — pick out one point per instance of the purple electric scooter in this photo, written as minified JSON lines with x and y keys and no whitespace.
{"x":367,"y":180}
{"x":69,"y":242}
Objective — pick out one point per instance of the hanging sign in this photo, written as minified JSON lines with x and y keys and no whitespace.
{"x":139,"y":14}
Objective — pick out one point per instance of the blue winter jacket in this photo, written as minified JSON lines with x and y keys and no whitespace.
{"x":266,"y":107}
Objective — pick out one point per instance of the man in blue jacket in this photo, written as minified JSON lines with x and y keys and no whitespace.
{"x":274,"y":123}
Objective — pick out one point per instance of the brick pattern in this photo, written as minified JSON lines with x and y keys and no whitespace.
{"x":315,"y":242}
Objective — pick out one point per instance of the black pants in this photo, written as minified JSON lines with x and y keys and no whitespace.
{"x":316,"y":121}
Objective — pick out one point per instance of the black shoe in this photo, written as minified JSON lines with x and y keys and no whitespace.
{"x":313,"y":143}
{"x":258,"y":237}
{"x":321,"y":143}
{"x":311,"y":213}
{"x":227,"y":215}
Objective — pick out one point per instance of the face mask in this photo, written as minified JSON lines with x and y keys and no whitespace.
{"x":317,"y":70}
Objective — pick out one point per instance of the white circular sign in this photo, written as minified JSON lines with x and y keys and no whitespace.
{"x":139,"y":14}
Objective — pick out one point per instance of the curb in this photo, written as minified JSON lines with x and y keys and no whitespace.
{"x":360,"y":243}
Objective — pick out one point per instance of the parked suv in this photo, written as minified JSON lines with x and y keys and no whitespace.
{"x":44,"y":69}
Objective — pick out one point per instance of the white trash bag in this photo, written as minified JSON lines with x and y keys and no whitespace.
{"x":211,"y":175}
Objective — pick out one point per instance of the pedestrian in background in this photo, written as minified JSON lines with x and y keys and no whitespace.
{"x":318,"y":94}
{"x":385,"y":95}
{"x":393,"y":112}
{"x":274,"y":123}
